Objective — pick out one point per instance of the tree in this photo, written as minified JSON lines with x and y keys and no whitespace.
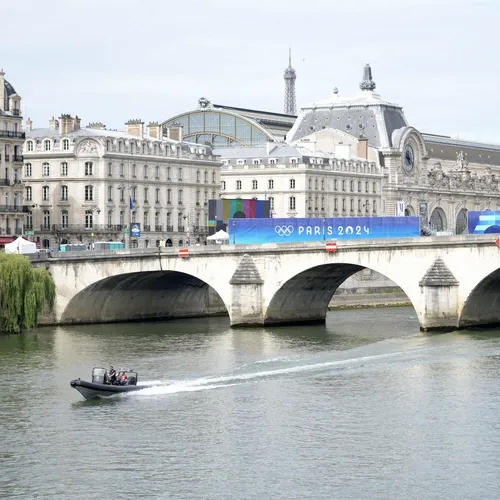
{"x":24,"y":292}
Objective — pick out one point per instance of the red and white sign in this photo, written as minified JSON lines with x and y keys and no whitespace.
{"x":184,"y":253}
{"x":497,"y":241}
{"x":331,"y":246}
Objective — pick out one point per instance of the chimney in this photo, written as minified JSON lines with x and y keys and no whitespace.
{"x":363,"y":147}
{"x":66,"y":124}
{"x":96,"y":126}
{"x":135,"y":127}
{"x":76,"y":123}
{"x":154,"y":130}
{"x":29,"y":124}
{"x":54,"y":124}
{"x":175,"y":133}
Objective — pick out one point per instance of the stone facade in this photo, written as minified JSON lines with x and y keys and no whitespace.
{"x":11,"y":162}
{"x":92,"y":184}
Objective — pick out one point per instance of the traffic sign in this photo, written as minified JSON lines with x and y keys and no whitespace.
{"x":331,"y":246}
{"x":497,"y":241}
{"x":126,"y":230}
{"x":184,"y":253}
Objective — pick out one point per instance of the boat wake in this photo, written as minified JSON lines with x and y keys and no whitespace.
{"x":209,"y":383}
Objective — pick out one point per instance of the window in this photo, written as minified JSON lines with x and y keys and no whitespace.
{"x":157,"y":172}
{"x":122,"y":218}
{"x":292,"y":184}
{"x":316,"y":184}
{"x":366,"y":187}
{"x":322,"y":184}
{"x":64,"y":193}
{"x":64,"y":169}
{"x":238,"y":185}
{"x":352,"y":186}
{"x":46,"y":219}
{"x":336,"y":204}
{"x":45,"y":193}
{"x":88,"y":168}
{"x":310,"y":183}
{"x":169,"y":173}
{"x":206,"y":176}
{"x":122,"y":170}
{"x":134,"y":170}
{"x":146,"y":172}
{"x":352,"y":205}
{"x":29,"y":145}
{"x":110,"y":193}
{"x":270,"y":184}
{"x":223,"y":185}
{"x":343,"y":185}
{"x":146,"y":220}
{"x":179,"y":174}
{"x":271,"y":203}
{"x":374,"y":187}
{"x":89,"y":219}
{"x":169,"y":196}
{"x":29,"y":194}
{"x":359,"y":186}
{"x":28,"y":170}
{"x":134,"y":194}
{"x":254,"y":184}
{"x":335,"y":185}
{"x":122,"y":194}
{"x":133,"y":217}
{"x":157,"y":195}
{"x":291,"y":203}
{"x":213,"y":177}
{"x":110,"y":218}
{"x":179,"y":194}
{"x":120,"y":146}
{"x":359,"y":205}
{"x":110,"y":169}
{"x":272,"y":161}
{"x":64,"y":219}
{"x":197,"y":197}
{"x":197,"y":176}
{"x":374,"y":206}
{"x":89,"y":193}
{"x":29,"y":220}
{"x":108,"y":145}
{"x":65,"y":144}
{"x":45,"y":169}
{"x":46,"y":145}
{"x":132,"y":147}
{"x":343,"y":205}
{"x":144,"y":149}
{"x":146,"y":193}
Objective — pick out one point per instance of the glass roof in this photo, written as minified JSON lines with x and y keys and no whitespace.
{"x":219,"y":128}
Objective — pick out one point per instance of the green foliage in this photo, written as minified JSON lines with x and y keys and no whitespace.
{"x":24,"y":292}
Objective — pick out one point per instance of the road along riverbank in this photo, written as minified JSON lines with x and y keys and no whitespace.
{"x":365,"y":300}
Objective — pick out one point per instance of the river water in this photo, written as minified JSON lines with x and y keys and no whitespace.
{"x":366,"y":407}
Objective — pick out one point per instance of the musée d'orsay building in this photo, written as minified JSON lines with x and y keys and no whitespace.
{"x":347,"y":156}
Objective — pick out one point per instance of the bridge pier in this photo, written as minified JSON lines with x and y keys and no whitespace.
{"x":246,"y":294}
{"x":440,"y":298}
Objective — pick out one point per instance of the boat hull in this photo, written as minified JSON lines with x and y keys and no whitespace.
{"x":90,"y":390}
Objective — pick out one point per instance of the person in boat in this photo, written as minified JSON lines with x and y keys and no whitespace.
{"x":123,"y":378}
{"x":112,"y":375}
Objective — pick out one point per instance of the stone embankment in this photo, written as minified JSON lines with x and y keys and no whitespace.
{"x":363,"y":300}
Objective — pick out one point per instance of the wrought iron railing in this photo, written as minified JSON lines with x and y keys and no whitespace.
{"x":14,"y":135}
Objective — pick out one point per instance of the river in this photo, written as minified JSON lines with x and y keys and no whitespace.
{"x":364,"y":407}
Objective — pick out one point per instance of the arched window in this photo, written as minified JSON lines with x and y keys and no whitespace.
{"x":179,"y":175}
{"x":64,"y":169}
{"x":145,"y":171}
{"x":46,"y":145}
{"x":45,"y":193}
{"x":157,"y":172}
{"x":180,"y":196}
{"x":461,"y":225}
{"x":46,"y":219}
{"x":89,"y":219}
{"x":64,"y":193}
{"x":64,"y":219}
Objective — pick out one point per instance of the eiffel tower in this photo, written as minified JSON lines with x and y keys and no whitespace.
{"x":290,"y":107}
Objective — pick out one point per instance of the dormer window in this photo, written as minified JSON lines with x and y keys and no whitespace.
{"x":240,"y":162}
{"x":46,"y":145}
{"x":256,"y":162}
{"x":272,"y":161}
{"x":293,"y":161}
{"x":65,"y":144}
{"x":29,"y":146}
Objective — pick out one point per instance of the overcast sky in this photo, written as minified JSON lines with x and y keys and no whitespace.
{"x":112,"y":60}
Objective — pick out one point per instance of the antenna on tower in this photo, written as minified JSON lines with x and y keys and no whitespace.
{"x":290,"y":76}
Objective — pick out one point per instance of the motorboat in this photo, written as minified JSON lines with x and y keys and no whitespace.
{"x":104,"y":386}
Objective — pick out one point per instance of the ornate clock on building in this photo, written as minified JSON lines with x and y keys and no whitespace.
{"x":408,"y":159}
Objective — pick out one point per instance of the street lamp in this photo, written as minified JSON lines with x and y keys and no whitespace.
{"x":234,"y":234}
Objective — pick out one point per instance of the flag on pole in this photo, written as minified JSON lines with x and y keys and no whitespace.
{"x":131,"y":205}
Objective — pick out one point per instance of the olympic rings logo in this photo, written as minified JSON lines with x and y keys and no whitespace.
{"x":283,"y":230}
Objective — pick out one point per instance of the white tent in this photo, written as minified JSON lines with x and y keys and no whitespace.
{"x":20,"y":246}
{"x":219,"y":236}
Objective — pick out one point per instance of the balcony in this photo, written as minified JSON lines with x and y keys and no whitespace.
{"x":146,"y":228}
{"x":16,"y":112}
{"x":13,"y":135}
{"x":170,"y":229}
{"x":4,"y":182}
{"x":11,"y":208}
{"x":18,"y":230}
{"x":158,"y":229}
{"x":180,"y":229}
{"x":84,"y":228}
{"x":201,"y":229}
{"x":18,"y":158}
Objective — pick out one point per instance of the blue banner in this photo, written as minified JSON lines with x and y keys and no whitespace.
{"x":135,"y":230}
{"x":253,"y":231}
{"x":483,"y":222}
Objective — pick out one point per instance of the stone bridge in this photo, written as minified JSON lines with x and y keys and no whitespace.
{"x":452,"y":282}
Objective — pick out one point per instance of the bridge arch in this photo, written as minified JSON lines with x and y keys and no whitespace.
{"x":143,"y":295}
{"x":305,"y":296}
{"x":482,"y":306}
